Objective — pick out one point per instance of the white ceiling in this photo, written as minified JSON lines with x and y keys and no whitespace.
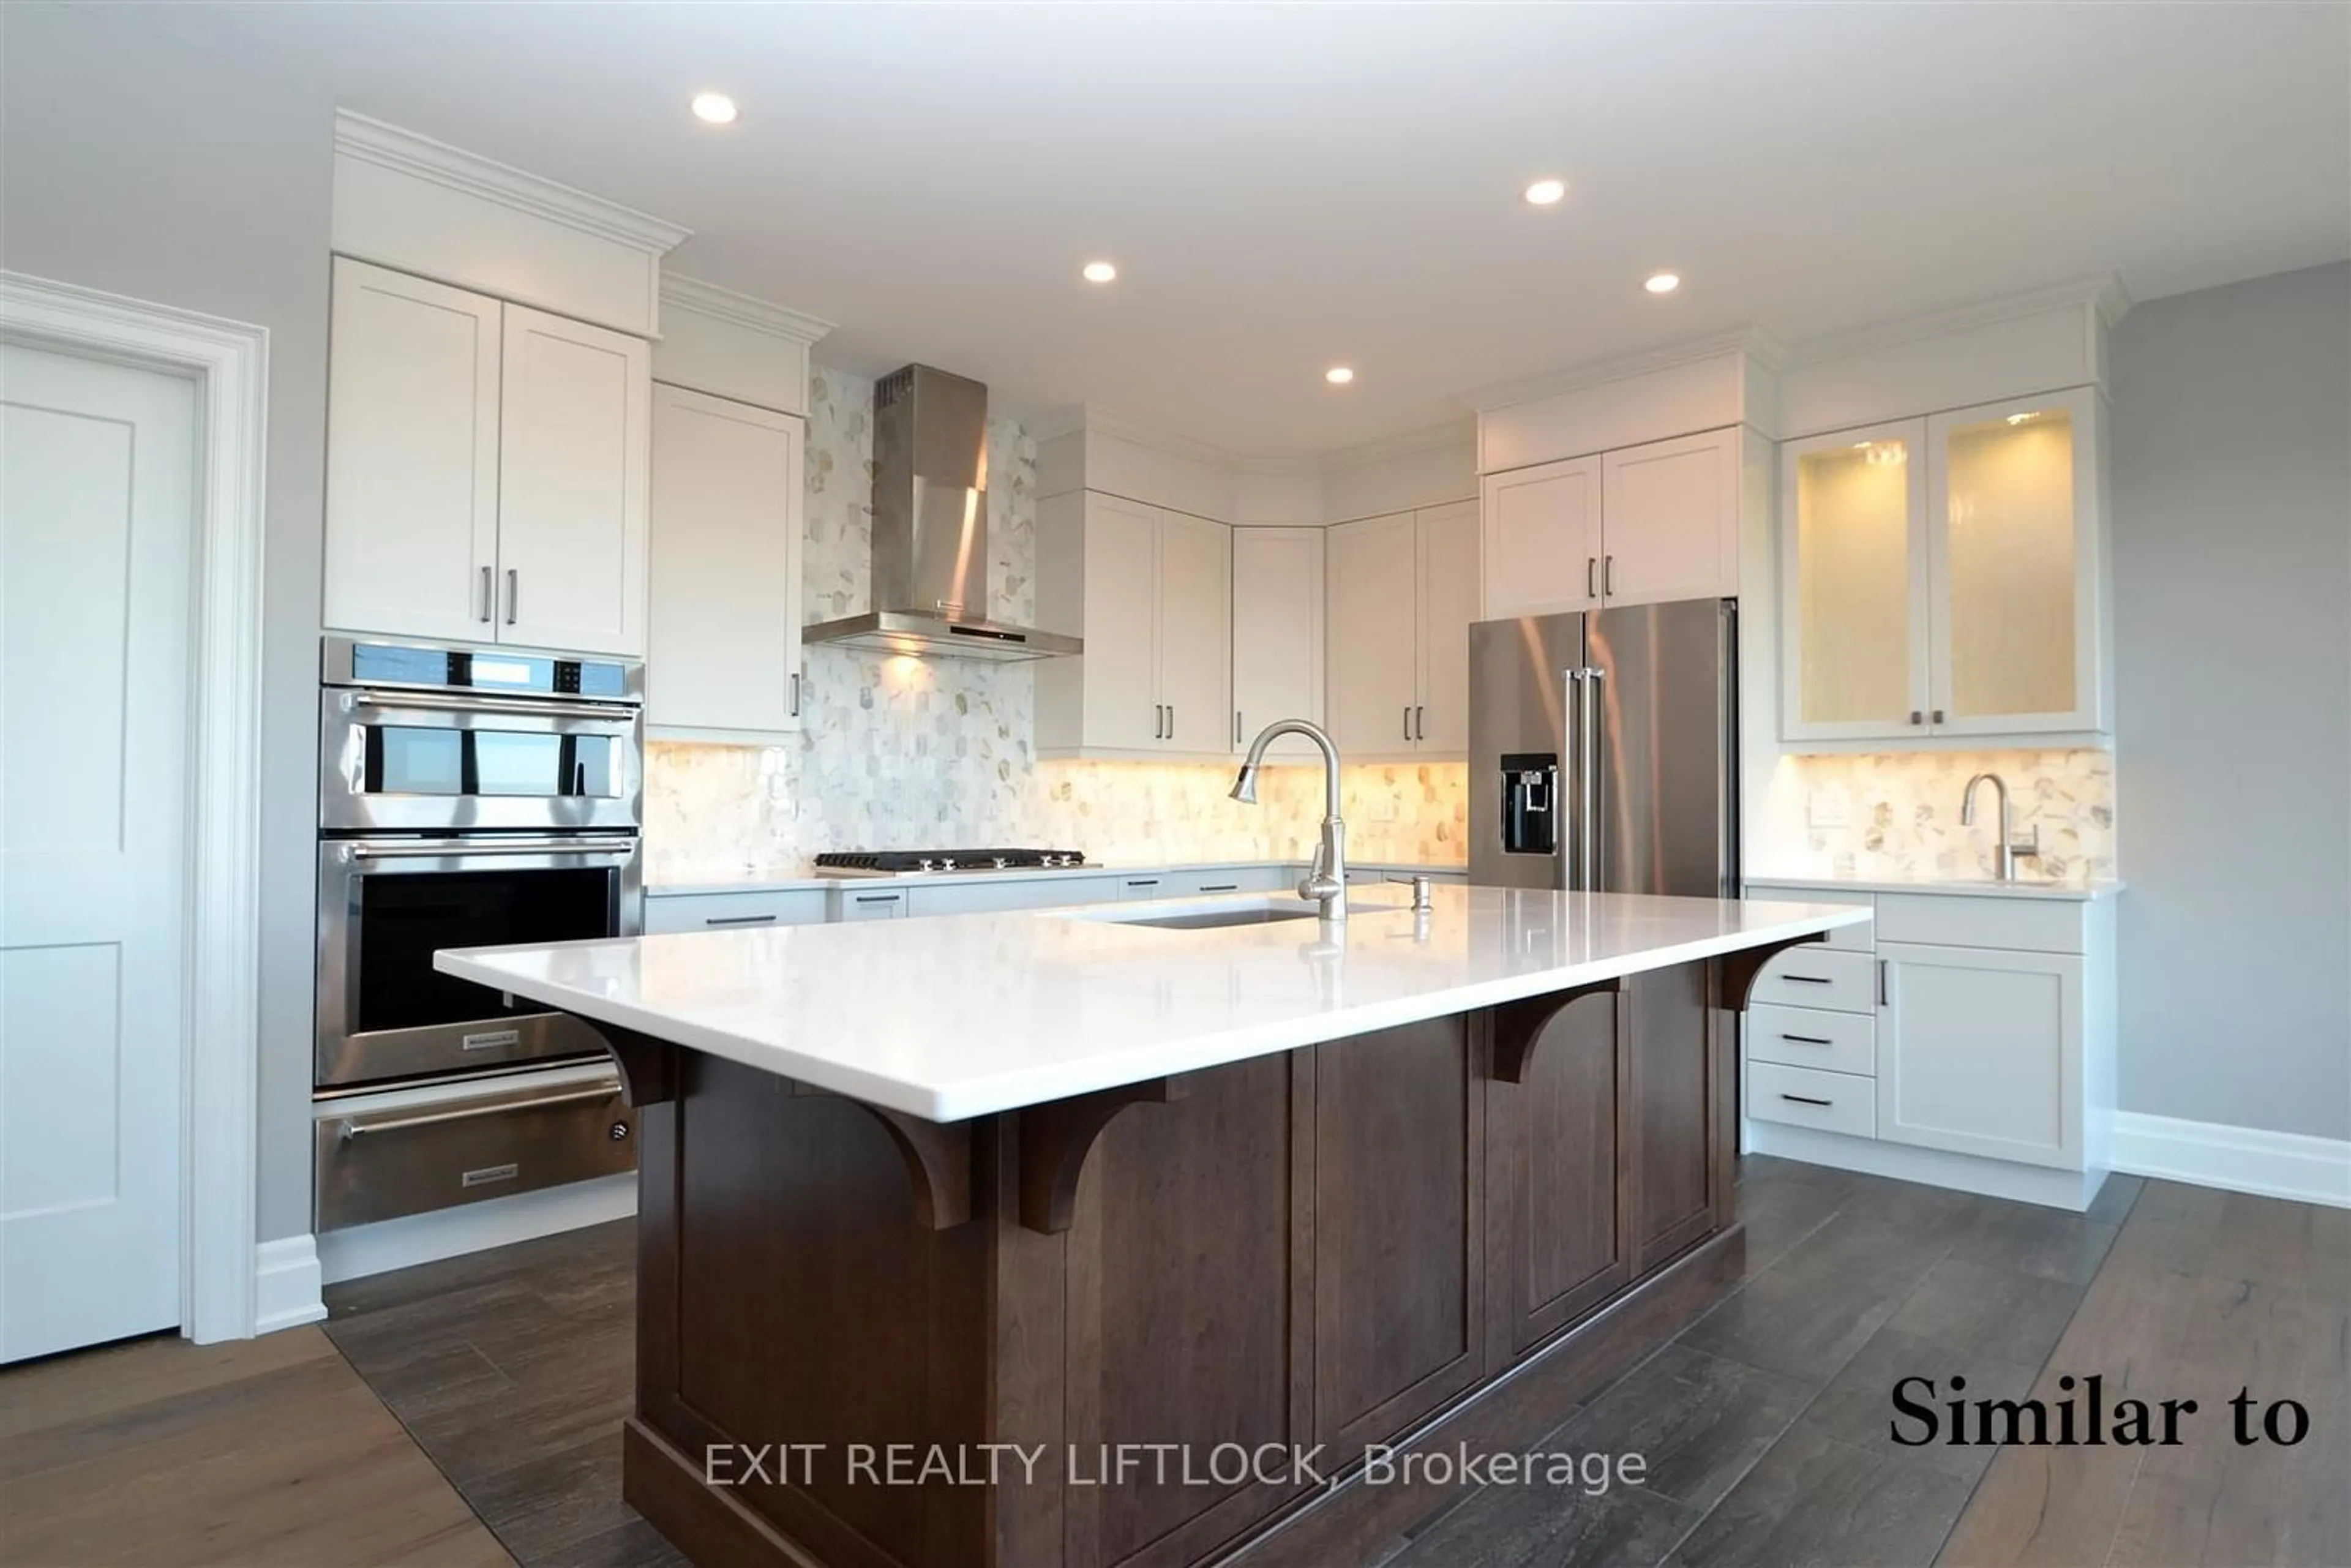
{"x":1287,"y":187}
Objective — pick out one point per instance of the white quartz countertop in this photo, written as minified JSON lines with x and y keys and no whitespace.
{"x":966,"y":1015}
{"x":1965,"y":887}
{"x":751,"y":881}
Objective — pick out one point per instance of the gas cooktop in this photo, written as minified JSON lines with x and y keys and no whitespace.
{"x":901,"y":863}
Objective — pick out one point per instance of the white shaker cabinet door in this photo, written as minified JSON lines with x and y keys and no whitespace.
{"x":724,"y":634}
{"x":1669,"y":520}
{"x":1448,"y":547}
{"x":1277,"y":634}
{"x":1980,"y":1052}
{"x":1122,"y":626}
{"x":1541,"y":540}
{"x":574,"y":492}
{"x":1374,"y":612}
{"x":412,"y":456}
{"x":1195,"y":633}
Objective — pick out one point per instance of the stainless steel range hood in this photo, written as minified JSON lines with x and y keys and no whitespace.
{"x":930,"y":529}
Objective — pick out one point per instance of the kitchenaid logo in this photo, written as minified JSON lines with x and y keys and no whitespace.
{"x":1221,"y":1465}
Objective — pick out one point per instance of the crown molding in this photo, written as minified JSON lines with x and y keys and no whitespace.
{"x":1364,"y":454}
{"x":699,"y":298}
{"x":405,"y":152}
{"x":2104,"y":294}
{"x":1102,"y":421}
{"x":1758,"y":344}
{"x":1052,"y":424}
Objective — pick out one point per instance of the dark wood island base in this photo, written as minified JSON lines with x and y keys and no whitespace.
{"x":1163,"y":1323}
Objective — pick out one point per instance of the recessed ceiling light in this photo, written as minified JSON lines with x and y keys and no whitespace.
{"x":1546,"y":193}
{"x":1663,"y":282}
{"x":1338,"y":375}
{"x":714,"y":108}
{"x":1098,"y":272}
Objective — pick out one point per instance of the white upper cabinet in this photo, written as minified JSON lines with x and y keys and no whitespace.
{"x":1277,"y":638}
{"x":1403,"y":590}
{"x":412,"y":456}
{"x":574,"y":484}
{"x":1669,"y":520}
{"x":1447,"y":549}
{"x":1542,"y":534}
{"x":1947,"y":576}
{"x":723,"y":643}
{"x":1636,"y":525}
{"x":1151,"y":592}
{"x":487,"y":469}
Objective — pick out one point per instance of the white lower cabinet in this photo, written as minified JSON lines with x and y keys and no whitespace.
{"x":856,"y":903}
{"x":1980,"y":1052}
{"x":674,"y":912}
{"x":1805,"y":1097}
{"x":1006,"y":892}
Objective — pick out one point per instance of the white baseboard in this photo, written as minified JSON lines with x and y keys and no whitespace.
{"x":363,"y":1250}
{"x":2237,"y":1159}
{"x":2072,"y":1190}
{"x":285,"y":1284}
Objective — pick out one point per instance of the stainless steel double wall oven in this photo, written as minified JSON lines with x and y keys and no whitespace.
{"x":468,"y":797}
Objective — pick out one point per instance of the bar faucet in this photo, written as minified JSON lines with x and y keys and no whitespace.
{"x":2009,"y":847}
{"x":1326,"y":884}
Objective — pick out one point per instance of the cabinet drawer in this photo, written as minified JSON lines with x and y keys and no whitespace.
{"x":1845,"y":938}
{"x":2024,"y":924}
{"x":730,"y":910}
{"x":1218,"y":880}
{"x":1831,"y":1102}
{"x":1812,"y":1038}
{"x":1818,"y":976}
{"x":853,"y":903}
{"x":382,"y":1164}
{"x":1011,"y":892}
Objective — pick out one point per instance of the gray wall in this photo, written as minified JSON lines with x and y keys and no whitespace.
{"x":2233,"y":690}
{"x":132,"y":165}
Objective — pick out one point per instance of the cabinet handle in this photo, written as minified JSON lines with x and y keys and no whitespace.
{"x":514,"y":593}
{"x":1147,"y":882}
{"x":1807,"y":1039}
{"x":1420,"y":723}
{"x":880,"y":897}
{"x":1592,"y":577}
{"x":1220,"y":887}
{"x":1608,"y":575}
{"x":487,"y":611}
{"x":1237,"y":726}
{"x":1407,"y":722}
{"x":1807,"y":1100}
{"x":1917,"y":717}
{"x":1809,"y":980}
{"x":1938,"y":715}
{"x":738,"y":920}
{"x":1171,"y":721}
{"x":796,"y":694}
{"x":1158,"y":722}
{"x":1881,"y":982}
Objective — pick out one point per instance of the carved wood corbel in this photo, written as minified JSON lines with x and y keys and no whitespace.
{"x":1736,"y":973}
{"x":648,"y":1066}
{"x":937,"y":1156}
{"x":1517,"y":1025}
{"x":1055,"y":1139}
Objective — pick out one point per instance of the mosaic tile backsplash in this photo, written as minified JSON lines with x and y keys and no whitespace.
{"x":899,"y":753}
{"x":1902,"y":815}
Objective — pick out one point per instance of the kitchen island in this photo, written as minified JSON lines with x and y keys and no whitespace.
{"x":1067,"y":1237}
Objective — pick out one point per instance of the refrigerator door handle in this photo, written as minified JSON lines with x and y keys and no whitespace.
{"x":1588,"y":823}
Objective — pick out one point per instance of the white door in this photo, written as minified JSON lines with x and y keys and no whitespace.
{"x":724,"y":633}
{"x":1669,"y":520}
{"x":97,"y":471}
{"x":1542,"y":534}
{"x":1374,"y":614}
{"x":1980,"y":1052}
{"x":1196,"y":632}
{"x":1448,"y":603}
{"x":412,"y":456}
{"x":1122,"y":658}
{"x":1277,"y":634}
{"x":1853,"y":584}
{"x":574,"y":449}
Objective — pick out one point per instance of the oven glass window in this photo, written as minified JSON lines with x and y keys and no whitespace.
{"x":404,"y":917}
{"x":404,"y":761}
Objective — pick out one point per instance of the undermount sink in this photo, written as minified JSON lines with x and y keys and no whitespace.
{"x":1218,"y":914}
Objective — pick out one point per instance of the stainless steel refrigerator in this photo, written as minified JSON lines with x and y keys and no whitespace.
{"x":1604,"y":750}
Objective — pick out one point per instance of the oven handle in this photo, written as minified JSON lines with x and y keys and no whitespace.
{"x":444,"y":848}
{"x":618,"y":713}
{"x":353,"y":1127}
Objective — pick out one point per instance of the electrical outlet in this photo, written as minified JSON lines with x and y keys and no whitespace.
{"x":1828,"y":808}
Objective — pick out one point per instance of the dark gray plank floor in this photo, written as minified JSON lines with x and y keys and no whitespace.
{"x":1764,"y":1425}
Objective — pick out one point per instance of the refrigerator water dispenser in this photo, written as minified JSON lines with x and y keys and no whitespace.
{"x":1530,"y":803}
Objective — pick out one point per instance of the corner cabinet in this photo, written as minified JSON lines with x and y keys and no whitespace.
{"x":1947,"y":576}
{"x":1641,"y":525}
{"x":1150,"y":592}
{"x":487,"y":469}
{"x":1278,"y":634}
{"x":1402,"y":590}
{"x":724,"y":623}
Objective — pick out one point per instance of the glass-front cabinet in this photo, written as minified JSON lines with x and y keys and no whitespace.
{"x":1944,"y":576}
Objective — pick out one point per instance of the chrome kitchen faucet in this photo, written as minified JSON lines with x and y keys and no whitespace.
{"x":1326,"y":884}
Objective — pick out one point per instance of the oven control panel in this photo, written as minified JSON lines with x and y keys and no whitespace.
{"x":480,"y":669}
